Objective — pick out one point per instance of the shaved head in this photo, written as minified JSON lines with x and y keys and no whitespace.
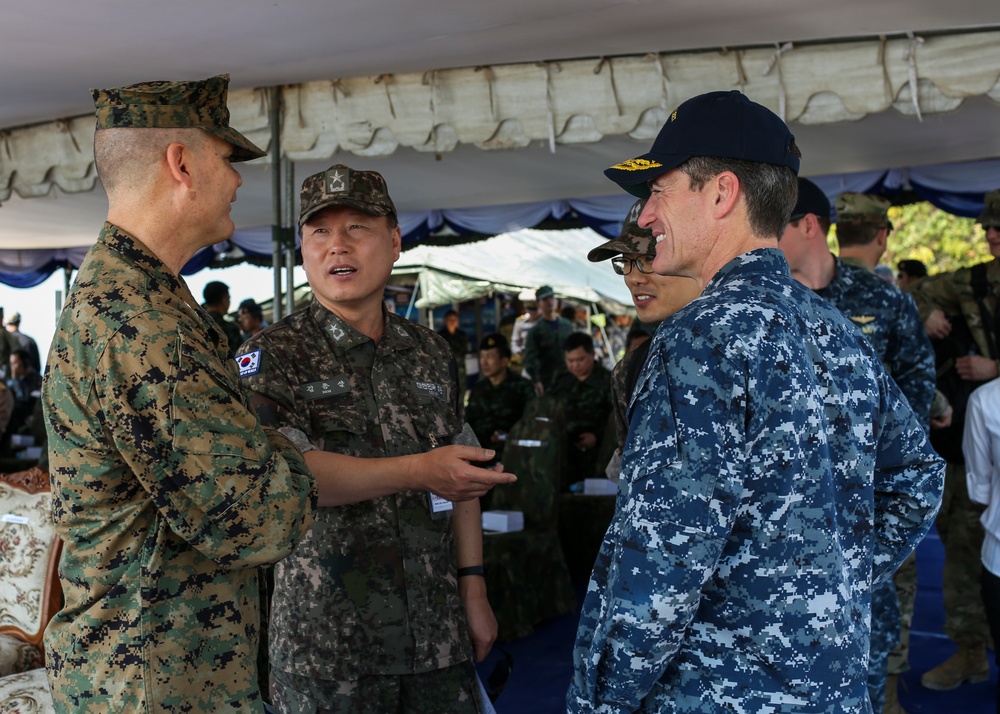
{"x":126,"y":158}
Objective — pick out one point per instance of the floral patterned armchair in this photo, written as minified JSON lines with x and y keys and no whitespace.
{"x":29,"y":558}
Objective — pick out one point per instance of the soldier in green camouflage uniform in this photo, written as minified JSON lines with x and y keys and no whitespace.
{"x":938,"y":298}
{"x":543,"y":356}
{"x":498,"y":399}
{"x":369,"y":612}
{"x":167,"y":492}
{"x":585,"y":392}
{"x":217,"y":301}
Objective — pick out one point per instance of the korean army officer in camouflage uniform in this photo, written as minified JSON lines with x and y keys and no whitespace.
{"x":369,"y":613}
{"x":772,"y":468}
{"x":167,"y":492}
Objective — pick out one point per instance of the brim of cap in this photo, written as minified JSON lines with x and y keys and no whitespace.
{"x":243,"y":148}
{"x":605,"y":251}
{"x":635,"y":174}
{"x":368,"y":208}
{"x":613,"y":247}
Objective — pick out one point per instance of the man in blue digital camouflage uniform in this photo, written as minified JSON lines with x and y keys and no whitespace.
{"x":772,"y":468}
{"x":889,"y":319}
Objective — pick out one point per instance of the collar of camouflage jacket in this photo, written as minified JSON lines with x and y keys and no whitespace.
{"x":395,"y":335}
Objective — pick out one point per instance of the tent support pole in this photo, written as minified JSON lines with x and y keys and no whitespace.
{"x":413,"y":299}
{"x":276,"y":227}
{"x":289,"y":236}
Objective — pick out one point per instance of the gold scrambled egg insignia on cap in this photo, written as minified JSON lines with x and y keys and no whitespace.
{"x":637,"y":165}
{"x":673,"y":115}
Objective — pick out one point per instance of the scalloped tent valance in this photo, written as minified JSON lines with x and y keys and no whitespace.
{"x":561,"y":103}
{"x":494,"y":149}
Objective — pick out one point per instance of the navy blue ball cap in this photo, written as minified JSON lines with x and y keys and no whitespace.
{"x":722,"y":124}
{"x":811,"y":200}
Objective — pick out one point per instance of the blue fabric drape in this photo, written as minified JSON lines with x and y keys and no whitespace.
{"x":957,"y":188}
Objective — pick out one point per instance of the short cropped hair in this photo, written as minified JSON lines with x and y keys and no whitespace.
{"x":577,"y":340}
{"x":125,"y":157}
{"x":913,"y":268}
{"x":770,"y":191}
{"x":854,"y":233}
{"x":215,"y":292}
{"x":251,"y":307}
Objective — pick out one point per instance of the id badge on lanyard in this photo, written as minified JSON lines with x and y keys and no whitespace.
{"x":442,"y":507}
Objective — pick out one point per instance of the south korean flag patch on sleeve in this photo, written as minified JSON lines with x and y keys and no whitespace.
{"x":249,"y":363}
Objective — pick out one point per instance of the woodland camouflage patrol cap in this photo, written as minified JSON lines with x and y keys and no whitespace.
{"x":340,"y":185}
{"x":863,"y":208}
{"x":991,"y":210}
{"x":633,"y":239}
{"x":197,"y":104}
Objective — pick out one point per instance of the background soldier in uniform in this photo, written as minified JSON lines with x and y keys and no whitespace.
{"x":761,"y":412}
{"x":949,"y":303}
{"x":367,"y":615}
{"x":543,"y":356}
{"x":166,"y":491}
{"x":498,"y":399}
{"x":888,"y":318}
{"x":217,"y":301}
{"x":584,"y":390}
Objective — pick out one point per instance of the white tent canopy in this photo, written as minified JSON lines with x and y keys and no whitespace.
{"x":483,"y":106}
{"x":510,"y":263}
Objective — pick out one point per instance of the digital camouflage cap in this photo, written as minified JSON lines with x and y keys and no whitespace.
{"x":340,"y":185}
{"x":633,"y":239}
{"x":197,"y":104}
{"x":991,"y":210}
{"x":863,"y":208}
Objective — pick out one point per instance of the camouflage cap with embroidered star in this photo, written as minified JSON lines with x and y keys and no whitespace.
{"x":633,"y":239}
{"x":341,"y":185}
{"x":991,"y":210}
{"x":863,"y":208}
{"x":199,"y":104}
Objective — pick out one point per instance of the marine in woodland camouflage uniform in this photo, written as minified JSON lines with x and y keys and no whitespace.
{"x":167,"y":492}
{"x":366,"y":614}
{"x":760,"y":413}
{"x":940,"y":297}
{"x":888,"y":318}
{"x":494,"y":408}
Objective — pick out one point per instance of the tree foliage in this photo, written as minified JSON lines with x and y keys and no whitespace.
{"x":943,"y":242}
